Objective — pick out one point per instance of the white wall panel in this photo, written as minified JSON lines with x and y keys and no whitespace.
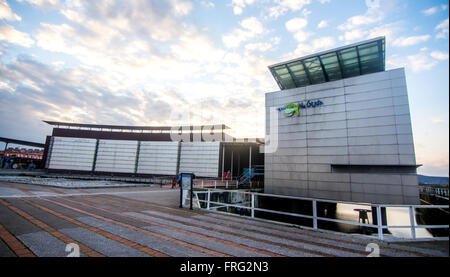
{"x":200,"y":158}
{"x":116,"y":156}
{"x":72,"y":153}
{"x":158,"y":157}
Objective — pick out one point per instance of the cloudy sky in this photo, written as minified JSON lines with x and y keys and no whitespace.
{"x":152,"y":62}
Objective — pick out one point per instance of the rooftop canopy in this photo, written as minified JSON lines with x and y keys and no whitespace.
{"x":344,"y":62}
{"x":134,"y":128}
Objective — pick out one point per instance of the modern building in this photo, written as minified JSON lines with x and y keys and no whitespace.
{"x":339,"y":128}
{"x":343,"y":128}
{"x":206,"y":151}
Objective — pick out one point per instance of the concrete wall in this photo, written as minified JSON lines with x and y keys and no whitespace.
{"x":364,"y":120}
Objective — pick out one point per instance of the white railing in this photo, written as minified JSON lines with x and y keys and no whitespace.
{"x":434,"y":191}
{"x":251,"y":205}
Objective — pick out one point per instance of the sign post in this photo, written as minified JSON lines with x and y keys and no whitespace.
{"x":187,"y":181}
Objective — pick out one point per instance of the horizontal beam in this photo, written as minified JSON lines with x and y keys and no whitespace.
{"x":22,"y":142}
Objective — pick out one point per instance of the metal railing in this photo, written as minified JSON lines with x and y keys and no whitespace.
{"x":435,"y":191}
{"x":250,"y":205}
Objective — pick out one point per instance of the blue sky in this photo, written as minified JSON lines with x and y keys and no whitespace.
{"x":168,"y":62}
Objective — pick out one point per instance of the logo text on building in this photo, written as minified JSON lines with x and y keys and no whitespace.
{"x":292,"y":108}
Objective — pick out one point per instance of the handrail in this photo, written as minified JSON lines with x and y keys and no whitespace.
{"x":379,"y":226}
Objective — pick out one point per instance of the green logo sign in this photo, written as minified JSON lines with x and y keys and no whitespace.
{"x":294,"y":108}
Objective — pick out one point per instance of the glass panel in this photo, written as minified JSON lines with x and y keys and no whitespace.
{"x":297,"y":66}
{"x":348,"y":54}
{"x":371,"y":48}
{"x":300,"y":77}
{"x":286,"y":81}
{"x":315,"y":70}
{"x":331,"y":64}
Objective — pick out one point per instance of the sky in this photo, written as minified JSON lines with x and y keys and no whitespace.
{"x":172,"y":62}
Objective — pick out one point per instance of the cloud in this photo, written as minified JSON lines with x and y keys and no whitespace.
{"x":443,"y":29}
{"x":409,"y":41}
{"x":315,"y":45}
{"x":421,"y":62}
{"x":442,"y":56}
{"x":370,"y":24}
{"x":430,"y":11}
{"x":250,"y":28}
{"x":259,"y":46}
{"x":297,"y":26}
{"x":207,"y":4}
{"x":434,"y":10}
{"x":322,"y":24}
{"x":437,"y":120}
{"x":7,"y":13}
{"x":239,"y":5}
{"x":283,"y":6}
{"x":371,"y":16}
{"x":46,"y":4}
{"x":11,"y":35}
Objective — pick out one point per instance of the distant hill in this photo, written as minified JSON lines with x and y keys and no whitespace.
{"x":432,"y":180}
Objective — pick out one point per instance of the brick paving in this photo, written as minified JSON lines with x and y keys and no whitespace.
{"x":147,"y":222}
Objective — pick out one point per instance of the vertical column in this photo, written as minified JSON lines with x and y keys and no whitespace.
{"x":232,"y":165}
{"x":250,"y":165}
{"x":178,"y":158}
{"x":412,"y":216}
{"x":253,"y":205}
{"x":314,"y":202}
{"x":223,"y":160}
{"x":94,"y":162}
{"x":136,"y":162}
{"x":4,"y":155}
{"x":49,"y":153}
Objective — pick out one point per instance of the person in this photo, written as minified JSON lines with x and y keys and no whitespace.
{"x":174,"y":182}
{"x":228,"y":175}
{"x":179,"y":180}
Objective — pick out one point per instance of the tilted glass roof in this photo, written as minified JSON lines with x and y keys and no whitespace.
{"x":344,"y":62}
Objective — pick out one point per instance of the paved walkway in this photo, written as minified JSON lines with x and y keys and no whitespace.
{"x":44,"y":221}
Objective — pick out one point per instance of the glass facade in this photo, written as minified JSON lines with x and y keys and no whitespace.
{"x":365,"y":58}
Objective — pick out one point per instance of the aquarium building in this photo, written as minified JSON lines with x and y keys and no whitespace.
{"x":340,"y":127}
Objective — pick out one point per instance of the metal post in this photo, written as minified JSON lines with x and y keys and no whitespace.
{"x":94,"y":161}
{"x":226,"y":184}
{"x":223,"y":160}
{"x":380,"y":223}
{"x":411,"y":219}
{"x":191,"y":193}
{"x":231,"y":165}
{"x":314,"y":202}
{"x":181,"y":196}
{"x":253,"y":205}
{"x":136,"y":161}
{"x":250,"y":166}
{"x":209,"y":199}
{"x":215,"y":183}
{"x":202,"y":183}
